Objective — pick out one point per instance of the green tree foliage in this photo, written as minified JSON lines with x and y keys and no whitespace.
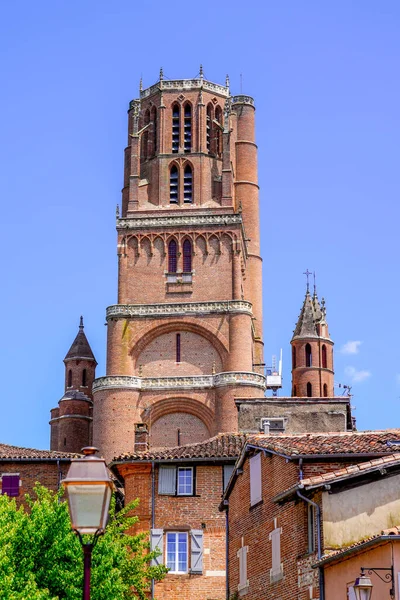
{"x":42,"y":559}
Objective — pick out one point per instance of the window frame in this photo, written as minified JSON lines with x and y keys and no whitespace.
{"x":177,"y":491}
{"x":176,"y":535}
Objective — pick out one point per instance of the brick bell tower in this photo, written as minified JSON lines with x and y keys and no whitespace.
{"x":71,"y":420}
{"x":185,"y":338}
{"x":312,"y":351}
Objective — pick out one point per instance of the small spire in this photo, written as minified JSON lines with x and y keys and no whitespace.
{"x":307,"y":273}
{"x":161,"y":74}
{"x":201,"y":72}
{"x":81,"y":323}
{"x":227,"y":83}
{"x":315,"y":286}
{"x":117,"y":211}
{"x":141,"y":84}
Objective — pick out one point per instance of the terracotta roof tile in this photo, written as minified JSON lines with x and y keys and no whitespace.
{"x":338,"y":554}
{"x":10,"y":452}
{"x":314,"y":444}
{"x":225,"y":445}
{"x":348,"y":472}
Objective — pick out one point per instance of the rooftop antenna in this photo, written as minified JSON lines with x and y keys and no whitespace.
{"x":307,"y":273}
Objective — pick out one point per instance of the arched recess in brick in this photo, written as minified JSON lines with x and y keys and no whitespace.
{"x":214,"y":336}
{"x":177,"y":429}
{"x":179,"y":405}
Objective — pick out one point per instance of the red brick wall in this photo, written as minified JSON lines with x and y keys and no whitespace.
{"x":46,"y":473}
{"x":164,"y":432}
{"x":182,"y":513}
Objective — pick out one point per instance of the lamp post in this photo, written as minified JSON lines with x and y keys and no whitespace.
{"x":89,"y":493}
{"x":363,"y":585}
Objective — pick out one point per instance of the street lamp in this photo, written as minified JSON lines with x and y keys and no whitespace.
{"x":89,"y":490}
{"x":363,"y":585}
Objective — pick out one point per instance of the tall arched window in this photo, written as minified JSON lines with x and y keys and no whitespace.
{"x":144,"y":150}
{"x":309,"y":390}
{"x":293,"y":357}
{"x":209,"y":127}
{"x":69,"y":383}
{"x":173,"y":185}
{"x":188,"y":184}
{"x":325,"y":390}
{"x":172,"y":256}
{"x":187,"y":256}
{"x":324,"y":359}
{"x":218,"y":131}
{"x":175,"y":127}
{"x":154,"y":120}
{"x":308,"y":356}
{"x":84,"y":378}
{"x":187,"y":128}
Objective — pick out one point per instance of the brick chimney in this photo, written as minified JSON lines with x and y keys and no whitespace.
{"x":141,"y":437}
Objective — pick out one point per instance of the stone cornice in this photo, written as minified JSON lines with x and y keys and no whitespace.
{"x":71,"y":417}
{"x":178,"y":221}
{"x":179,"y":383}
{"x":126,"y":311}
{"x":184,"y":84}
{"x":241,"y":99}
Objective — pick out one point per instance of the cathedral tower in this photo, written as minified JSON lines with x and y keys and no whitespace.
{"x":312,"y":351}
{"x":185,"y":338}
{"x":71,"y":421}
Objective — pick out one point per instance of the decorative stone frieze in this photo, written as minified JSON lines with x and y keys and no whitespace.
{"x":243,"y":100}
{"x":126,"y":311}
{"x":183,"y":84}
{"x":178,"y":221}
{"x":189,"y":382}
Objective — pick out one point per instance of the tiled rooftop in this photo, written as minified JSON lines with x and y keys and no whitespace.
{"x":313,"y":444}
{"x":348,"y":472}
{"x":338,"y":554}
{"x":224,"y":445}
{"x":9,"y":452}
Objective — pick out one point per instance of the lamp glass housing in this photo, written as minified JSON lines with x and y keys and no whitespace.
{"x":88,"y":506}
{"x":363,"y":588}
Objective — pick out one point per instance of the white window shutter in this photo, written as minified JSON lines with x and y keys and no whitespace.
{"x":156,"y":543}
{"x":277,"y":567}
{"x":167,"y":480}
{"x":255,"y":479}
{"x":242,"y":555}
{"x":196,"y":551}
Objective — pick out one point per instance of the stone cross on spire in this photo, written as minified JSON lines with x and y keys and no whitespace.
{"x":307,"y":273}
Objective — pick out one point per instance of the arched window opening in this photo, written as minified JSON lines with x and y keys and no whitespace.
{"x":175,"y":127}
{"x":187,"y":128}
{"x":209,"y":128}
{"x":324,"y":359}
{"x":294,"y":391}
{"x":293,"y":357}
{"x":144,"y":150}
{"x":84,"y":378}
{"x":308,"y":356}
{"x":325,"y":390}
{"x":69,"y":378}
{"x":172,"y":256}
{"x":154,"y":120}
{"x":309,"y":390}
{"x":218,"y":131}
{"x":188,"y":184}
{"x":178,"y":347}
{"x":187,"y":256}
{"x":173,"y":185}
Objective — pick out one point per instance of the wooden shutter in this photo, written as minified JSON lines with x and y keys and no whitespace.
{"x":196,"y":551}
{"x":10,"y":485}
{"x":277,"y":567}
{"x":242,"y":555}
{"x":255,"y":479}
{"x":156,"y":543}
{"x":167,"y":480}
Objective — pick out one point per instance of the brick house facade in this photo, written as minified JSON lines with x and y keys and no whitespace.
{"x":275,"y":508}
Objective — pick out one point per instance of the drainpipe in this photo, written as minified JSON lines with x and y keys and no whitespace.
{"x":153,"y":487}
{"x":319,"y":542}
{"x":227,"y":552}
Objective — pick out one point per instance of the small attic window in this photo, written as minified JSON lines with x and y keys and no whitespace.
{"x":69,"y":384}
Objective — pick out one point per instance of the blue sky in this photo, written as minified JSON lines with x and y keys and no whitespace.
{"x":325,"y":80}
